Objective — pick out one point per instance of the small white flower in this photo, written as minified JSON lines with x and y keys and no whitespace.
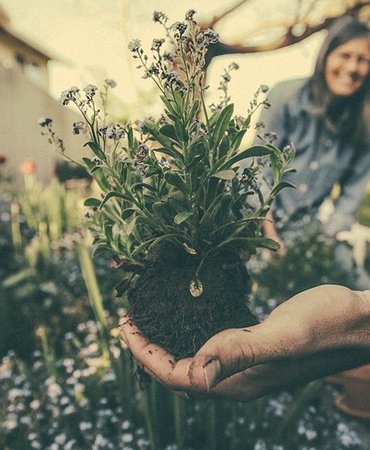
{"x":69,"y":410}
{"x":54,"y":390}
{"x":110,"y":83}
{"x":134,"y":45}
{"x":61,"y":438}
{"x":15,"y":393}
{"x":85,"y":426}
{"x":90,"y":90}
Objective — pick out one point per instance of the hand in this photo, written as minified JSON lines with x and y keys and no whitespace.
{"x":269,"y":231}
{"x":319,"y":332}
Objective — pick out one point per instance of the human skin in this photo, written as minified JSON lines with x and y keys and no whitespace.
{"x":316,"y":333}
{"x":347,"y":67}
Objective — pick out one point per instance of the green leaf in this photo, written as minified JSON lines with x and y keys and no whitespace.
{"x":237,"y":139}
{"x":130,"y":226}
{"x":193,"y":111}
{"x":168,"y":104}
{"x":112,"y":194}
{"x":96,"y":149}
{"x":175,"y":154}
{"x":89,"y":164}
{"x":175,"y":180}
{"x":182,"y":216}
{"x":151,"y":242}
{"x":280,"y":186}
{"x":224,"y":146}
{"x":160,"y":210}
{"x":225,"y":174}
{"x":244,"y":242}
{"x":130,"y":138}
{"x":252,"y":152}
{"x":222,"y":123}
{"x":127,"y":213}
{"x":95,"y":169}
{"x":99,"y":248}
{"x":157,"y":135}
{"x":99,"y":176}
{"x":92,"y":202}
{"x":144,"y":185}
{"x":181,"y":132}
{"x":169,"y":131}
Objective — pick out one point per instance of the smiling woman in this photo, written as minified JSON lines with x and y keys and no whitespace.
{"x":326,"y":117}
{"x":348,"y":66}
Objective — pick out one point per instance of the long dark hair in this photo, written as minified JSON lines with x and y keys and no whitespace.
{"x":348,"y":117}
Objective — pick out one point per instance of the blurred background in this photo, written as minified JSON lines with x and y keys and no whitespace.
{"x":66,"y":380}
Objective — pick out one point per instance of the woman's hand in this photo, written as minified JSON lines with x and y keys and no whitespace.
{"x":269,"y":230}
{"x":316,"y":333}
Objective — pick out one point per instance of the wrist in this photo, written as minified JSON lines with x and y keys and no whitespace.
{"x":359,"y":329}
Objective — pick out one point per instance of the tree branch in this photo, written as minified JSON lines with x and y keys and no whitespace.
{"x":289,"y":38}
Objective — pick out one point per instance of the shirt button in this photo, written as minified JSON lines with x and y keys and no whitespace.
{"x":314,"y":165}
{"x":328,"y":143}
{"x":303,"y":187}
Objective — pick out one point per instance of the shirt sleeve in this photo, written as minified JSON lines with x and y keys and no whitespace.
{"x":353,"y":188}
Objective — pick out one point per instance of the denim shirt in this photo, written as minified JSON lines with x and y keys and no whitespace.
{"x":322,"y":160}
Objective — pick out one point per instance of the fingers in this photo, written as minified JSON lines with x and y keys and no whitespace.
{"x":155,"y":360}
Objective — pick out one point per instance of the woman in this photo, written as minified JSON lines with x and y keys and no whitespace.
{"x":327,"y":118}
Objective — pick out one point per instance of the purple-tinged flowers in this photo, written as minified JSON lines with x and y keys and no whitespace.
{"x":115,"y":131}
{"x":189,"y":15}
{"x":110,"y":83}
{"x":180,"y":27}
{"x":69,"y":95}
{"x":160,"y":17}
{"x":142,"y":152}
{"x":44,"y":121}
{"x":211,"y":36}
{"x":134,"y":45}
{"x":90,"y":90}
{"x":77,"y":127}
{"x":157,"y":44}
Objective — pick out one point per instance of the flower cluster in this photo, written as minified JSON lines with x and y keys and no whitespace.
{"x":66,"y":413}
{"x":188,"y":41}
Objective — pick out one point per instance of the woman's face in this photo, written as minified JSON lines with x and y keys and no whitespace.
{"x":347,"y":67}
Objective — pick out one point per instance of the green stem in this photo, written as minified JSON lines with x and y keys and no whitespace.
{"x":15,"y":226}
{"x":48,"y":354}
{"x":180,"y":421}
{"x":311,"y":391}
{"x":149,"y":398}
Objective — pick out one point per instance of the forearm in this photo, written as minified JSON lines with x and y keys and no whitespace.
{"x":323,"y":318}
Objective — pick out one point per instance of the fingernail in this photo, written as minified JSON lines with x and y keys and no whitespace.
{"x":211,"y":373}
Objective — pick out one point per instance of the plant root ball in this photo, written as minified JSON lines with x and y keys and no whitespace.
{"x":163,"y":308}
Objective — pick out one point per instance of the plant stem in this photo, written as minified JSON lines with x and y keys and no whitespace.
{"x":48,"y":354}
{"x":149,"y":399}
{"x":296,"y":408}
{"x":180,"y":420}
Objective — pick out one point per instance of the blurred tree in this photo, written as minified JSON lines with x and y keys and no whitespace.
{"x":276,"y":25}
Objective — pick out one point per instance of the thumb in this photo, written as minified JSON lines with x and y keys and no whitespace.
{"x":205,"y":372}
{"x":225,"y":354}
{"x":212,"y":373}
